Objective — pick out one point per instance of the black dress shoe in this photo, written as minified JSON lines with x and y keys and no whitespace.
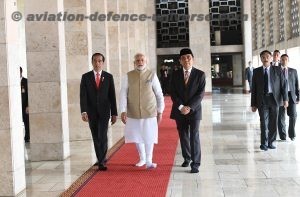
{"x":97,"y":163}
{"x":102,"y":167}
{"x":292,"y":138}
{"x":271,"y":146}
{"x":263,"y":147}
{"x":185,"y":164}
{"x":194,"y":170}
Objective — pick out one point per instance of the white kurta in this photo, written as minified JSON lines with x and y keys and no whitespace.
{"x":141,"y":130}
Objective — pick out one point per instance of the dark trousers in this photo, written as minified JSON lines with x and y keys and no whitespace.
{"x":268,"y":114}
{"x":250,"y":85}
{"x":164,"y":85}
{"x":99,"y":133}
{"x":292,"y":113}
{"x":281,"y":123}
{"x":26,"y":125}
{"x":188,"y":131}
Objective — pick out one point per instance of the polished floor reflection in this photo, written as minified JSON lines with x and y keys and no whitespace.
{"x":232,"y":163}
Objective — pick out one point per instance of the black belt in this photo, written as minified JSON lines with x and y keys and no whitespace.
{"x":268,"y":94}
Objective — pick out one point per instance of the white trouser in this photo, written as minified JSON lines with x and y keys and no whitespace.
{"x":145,"y":152}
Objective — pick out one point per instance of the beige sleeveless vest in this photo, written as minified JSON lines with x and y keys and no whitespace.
{"x":141,"y":101}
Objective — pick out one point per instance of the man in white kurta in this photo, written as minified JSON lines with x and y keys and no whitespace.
{"x":141,"y":106}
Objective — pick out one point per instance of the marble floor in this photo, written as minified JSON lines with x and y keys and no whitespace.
{"x":232,"y":163}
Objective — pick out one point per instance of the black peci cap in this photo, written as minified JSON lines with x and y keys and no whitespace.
{"x":186,"y":51}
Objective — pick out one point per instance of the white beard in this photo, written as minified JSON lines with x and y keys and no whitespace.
{"x":139,"y":68}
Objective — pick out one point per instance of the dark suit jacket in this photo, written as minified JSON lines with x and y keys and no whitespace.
{"x":293,"y":84}
{"x":190,"y":95}
{"x":24,"y":93}
{"x":98,"y":103}
{"x":278,"y":86}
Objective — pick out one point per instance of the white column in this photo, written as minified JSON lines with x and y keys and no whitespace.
{"x":237,"y":70}
{"x":47,"y":83}
{"x":200,"y":39}
{"x":78,"y":61}
{"x":12,"y":166}
{"x":126,"y":64}
{"x":114,"y":47}
{"x":151,"y":36}
{"x":247,"y":38}
{"x":99,"y":31}
{"x":132,"y":34}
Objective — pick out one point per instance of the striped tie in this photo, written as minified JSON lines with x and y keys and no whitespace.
{"x":186,"y":76}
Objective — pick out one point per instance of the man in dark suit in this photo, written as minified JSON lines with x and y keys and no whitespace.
{"x":293,"y":94}
{"x":164,"y":78}
{"x":187,"y":91}
{"x":249,"y":74}
{"x":276,"y":58}
{"x":25,"y":109}
{"x":98,"y":103}
{"x":268,"y":92}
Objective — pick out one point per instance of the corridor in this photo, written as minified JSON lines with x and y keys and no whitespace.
{"x":232,"y":163}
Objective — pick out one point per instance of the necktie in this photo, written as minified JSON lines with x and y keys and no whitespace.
{"x":97,"y":80}
{"x":284,"y":72}
{"x":186,"y":77}
{"x":266,"y":83}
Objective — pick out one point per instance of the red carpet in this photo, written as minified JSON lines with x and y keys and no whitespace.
{"x":124,"y":179}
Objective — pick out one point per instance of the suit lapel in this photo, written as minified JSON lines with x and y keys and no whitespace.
{"x":272,"y":77}
{"x":102,"y":79}
{"x":181,"y":80}
{"x":92,"y":79}
{"x":261,"y":74}
{"x":290,"y":79}
{"x":191,"y":77}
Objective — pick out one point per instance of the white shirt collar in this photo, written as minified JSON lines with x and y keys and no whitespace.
{"x":190,"y":69}
{"x":95,"y":73}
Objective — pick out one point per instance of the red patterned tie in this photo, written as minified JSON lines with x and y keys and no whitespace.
{"x":97,"y":80}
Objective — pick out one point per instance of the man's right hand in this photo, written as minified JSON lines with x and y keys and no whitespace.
{"x":124,"y":117}
{"x":185,"y":110}
{"x":254,"y":109}
{"x":84,"y":117}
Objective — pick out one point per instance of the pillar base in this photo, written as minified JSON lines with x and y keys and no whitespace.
{"x":246,"y":91}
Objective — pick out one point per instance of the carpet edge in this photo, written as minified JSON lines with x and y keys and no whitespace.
{"x":87,"y":175}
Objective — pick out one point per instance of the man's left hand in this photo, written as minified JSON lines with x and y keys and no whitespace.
{"x":113,"y":119}
{"x":285,"y":104}
{"x":159,"y":117}
{"x":124,"y":117}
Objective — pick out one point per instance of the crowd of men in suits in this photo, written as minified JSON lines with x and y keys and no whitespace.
{"x":274,"y":91}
